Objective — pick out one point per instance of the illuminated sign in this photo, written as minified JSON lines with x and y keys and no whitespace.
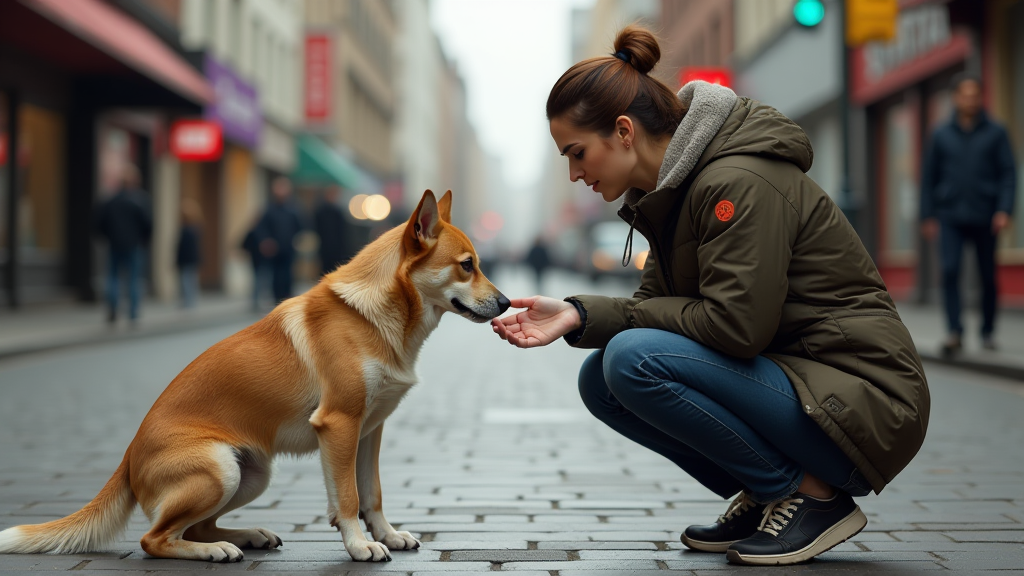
{"x":196,"y":140}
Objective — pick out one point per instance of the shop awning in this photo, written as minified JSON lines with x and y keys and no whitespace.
{"x":124,"y":39}
{"x":319,"y":164}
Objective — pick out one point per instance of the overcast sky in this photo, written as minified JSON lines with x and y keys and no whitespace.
{"x":510,"y":53}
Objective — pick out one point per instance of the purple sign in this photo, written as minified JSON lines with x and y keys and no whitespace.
{"x":236,"y":105}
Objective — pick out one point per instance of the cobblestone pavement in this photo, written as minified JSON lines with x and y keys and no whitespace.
{"x":493,"y":461}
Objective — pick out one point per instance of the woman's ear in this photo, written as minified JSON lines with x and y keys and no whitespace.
{"x":624,"y":127}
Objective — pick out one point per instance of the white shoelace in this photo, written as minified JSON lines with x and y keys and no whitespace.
{"x":778,"y":514}
{"x":741,"y":504}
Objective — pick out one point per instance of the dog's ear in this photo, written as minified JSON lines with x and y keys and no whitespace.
{"x":444,"y":206}
{"x":425,"y":223}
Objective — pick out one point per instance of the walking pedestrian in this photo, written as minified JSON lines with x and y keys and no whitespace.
{"x":260,"y":264}
{"x":329,"y":223}
{"x":968,"y":187}
{"x":761,"y":353}
{"x":125,"y":220}
{"x":189,"y":258}
{"x":539,"y":260}
{"x":279,"y":226}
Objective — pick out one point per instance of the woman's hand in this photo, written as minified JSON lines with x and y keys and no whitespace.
{"x":544,"y":321}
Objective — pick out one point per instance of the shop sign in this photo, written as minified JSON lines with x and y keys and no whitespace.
{"x":196,"y":140}
{"x":236,"y":105}
{"x":3,"y":149}
{"x":925,"y":44}
{"x":708,"y":74}
{"x":318,"y":67}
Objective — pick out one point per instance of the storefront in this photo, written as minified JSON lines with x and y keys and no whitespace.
{"x":905,"y":88}
{"x":84,"y":89}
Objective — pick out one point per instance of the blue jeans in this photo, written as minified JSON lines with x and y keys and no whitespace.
{"x":129,"y":261}
{"x":951,"y":242}
{"x":732,"y":424}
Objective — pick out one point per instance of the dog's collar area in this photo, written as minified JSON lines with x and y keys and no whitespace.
{"x":462,"y":308}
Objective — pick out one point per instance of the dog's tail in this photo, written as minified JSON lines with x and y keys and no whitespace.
{"x":97,"y":524}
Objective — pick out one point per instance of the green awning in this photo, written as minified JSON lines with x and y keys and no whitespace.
{"x":319,"y":164}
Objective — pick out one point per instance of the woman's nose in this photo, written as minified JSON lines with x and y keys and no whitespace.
{"x":575,"y":175}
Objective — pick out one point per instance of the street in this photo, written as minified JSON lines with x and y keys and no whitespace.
{"x":494,"y":463}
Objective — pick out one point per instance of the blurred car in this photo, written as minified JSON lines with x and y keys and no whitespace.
{"x":604,"y":248}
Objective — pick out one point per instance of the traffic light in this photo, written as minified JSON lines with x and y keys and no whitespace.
{"x":809,"y":13}
{"x":871,"y":20}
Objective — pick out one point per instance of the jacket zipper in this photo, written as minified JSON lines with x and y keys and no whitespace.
{"x":655,"y":247}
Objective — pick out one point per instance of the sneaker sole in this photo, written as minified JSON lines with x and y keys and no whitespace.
{"x":702,"y":546}
{"x":846,"y":528}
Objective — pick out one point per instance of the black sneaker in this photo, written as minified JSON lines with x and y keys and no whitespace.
{"x":799,"y":528}
{"x":739,"y":521}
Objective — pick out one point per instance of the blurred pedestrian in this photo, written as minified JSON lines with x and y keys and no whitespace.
{"x":189,"y":258}
{"x":761,"y":353}
{"x":329,"y":223}
{"x":126,"y":221}
{"x":968,"y":187}
{"x":261,"y":275}
{"x":279,"y":226}
{"x":539,"y":259}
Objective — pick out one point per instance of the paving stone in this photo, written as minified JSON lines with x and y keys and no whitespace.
{"x":365,"y":567}
{"x":507,"y":555}
{"x":477,"y":545}
{"x":579,"y":565}
{"x":988,"y":536}
{"x":588,"y":545}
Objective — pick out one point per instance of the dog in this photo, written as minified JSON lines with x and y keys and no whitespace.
{"x":322,"y":371}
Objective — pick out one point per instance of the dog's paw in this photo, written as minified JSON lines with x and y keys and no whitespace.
{"x":264,"y":539}
{"x":222,"y":552}
{"x":400,"y":541}
{"x":366,"y":551}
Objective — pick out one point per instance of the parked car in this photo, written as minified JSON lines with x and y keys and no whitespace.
{"x":604,"y":248}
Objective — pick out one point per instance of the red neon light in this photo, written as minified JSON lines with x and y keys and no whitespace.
{"x":711,"y":75}
{"x":196,"y":140}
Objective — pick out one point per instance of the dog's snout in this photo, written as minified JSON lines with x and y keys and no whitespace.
{"x":503,"y":303}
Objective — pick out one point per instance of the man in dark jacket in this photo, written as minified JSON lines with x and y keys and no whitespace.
{"x":280,"y":224}
{"x":330,"y":224}
{"x":127,"y":223}
{"x":967,"y":195}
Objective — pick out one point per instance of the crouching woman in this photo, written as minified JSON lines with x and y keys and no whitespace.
{"x":762,"y":353}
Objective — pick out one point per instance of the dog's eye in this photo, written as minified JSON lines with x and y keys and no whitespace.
{"x":467,"y":264}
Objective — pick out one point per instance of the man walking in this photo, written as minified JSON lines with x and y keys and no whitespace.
{"x":280,"y":225}
{"x":330,"y":226}
{"x":127,"y":223}
{"x":967,"y":195}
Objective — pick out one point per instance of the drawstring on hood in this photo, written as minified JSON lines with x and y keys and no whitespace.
{"x":707,"y":107}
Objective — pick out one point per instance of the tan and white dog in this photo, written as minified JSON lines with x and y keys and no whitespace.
{"x":321,"y":371}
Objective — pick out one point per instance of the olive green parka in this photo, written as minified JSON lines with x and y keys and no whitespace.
{"x":749,"y":256}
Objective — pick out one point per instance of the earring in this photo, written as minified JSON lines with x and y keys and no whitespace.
{"x":627,"y":145}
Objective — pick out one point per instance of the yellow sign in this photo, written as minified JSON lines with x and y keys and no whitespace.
{"x":871,"y":20}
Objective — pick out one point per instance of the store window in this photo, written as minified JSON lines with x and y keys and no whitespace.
{"x":41,"y":146}
{"x":900,"y":180}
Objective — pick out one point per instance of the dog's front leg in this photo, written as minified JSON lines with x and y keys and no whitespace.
{"x":370,"y":501}
{"x":338,"y":436}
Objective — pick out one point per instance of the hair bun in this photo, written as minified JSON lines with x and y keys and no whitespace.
{"x":640,"y":46}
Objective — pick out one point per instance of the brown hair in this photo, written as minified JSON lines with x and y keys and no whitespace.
{"x":594,"y":92}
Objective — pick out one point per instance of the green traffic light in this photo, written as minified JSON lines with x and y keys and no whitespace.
{"x":809,"y":13}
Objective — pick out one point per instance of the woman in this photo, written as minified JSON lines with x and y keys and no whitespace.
{"x":761,"y":353}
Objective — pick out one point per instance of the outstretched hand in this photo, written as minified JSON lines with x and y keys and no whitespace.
{"x":544,"y":321}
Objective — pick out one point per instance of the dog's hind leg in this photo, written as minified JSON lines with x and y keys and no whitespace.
{"x":370,"y":500}
{"x":198,"y":487}
{"x":256,"y":473}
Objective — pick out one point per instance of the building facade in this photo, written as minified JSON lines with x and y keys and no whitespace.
{"x":86,"y":88}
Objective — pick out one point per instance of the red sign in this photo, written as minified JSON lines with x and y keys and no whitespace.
{"x":3,"y":149}
{"x":196,"y":140}
{"x":318,"y":77}
{"x":711,"y":75}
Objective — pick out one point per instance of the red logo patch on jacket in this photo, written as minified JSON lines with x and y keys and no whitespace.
{"x":724,"y":210}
